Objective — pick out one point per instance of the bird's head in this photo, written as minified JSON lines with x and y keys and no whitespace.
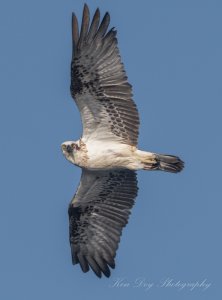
{"x":69,"y":149}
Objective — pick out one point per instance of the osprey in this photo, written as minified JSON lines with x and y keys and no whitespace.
{"x":107,"y":151}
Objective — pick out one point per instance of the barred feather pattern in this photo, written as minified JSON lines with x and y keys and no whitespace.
{"x":99,"y":83}
{"x":97,"y":213}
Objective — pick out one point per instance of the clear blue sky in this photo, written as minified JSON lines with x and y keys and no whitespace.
{"x":172,"y":55}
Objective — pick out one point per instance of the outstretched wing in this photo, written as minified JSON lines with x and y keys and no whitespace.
{"x":99,"y":83}
{"x":97,"y":213}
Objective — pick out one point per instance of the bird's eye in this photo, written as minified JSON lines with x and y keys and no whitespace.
{"x":69,"y":149}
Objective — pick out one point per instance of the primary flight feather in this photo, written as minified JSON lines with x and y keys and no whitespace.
{"x":107,"y":151}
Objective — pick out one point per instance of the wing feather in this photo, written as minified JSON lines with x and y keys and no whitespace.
{"x":97,"y":213}
{"x":83,"y":262}
{"x":75,"y":34}
{"x":99,"y":83}
{"x":103,"y":26}
{"x":84,"y":27}
{"x":94,"y":26}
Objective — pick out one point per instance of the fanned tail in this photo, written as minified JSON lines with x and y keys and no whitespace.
{"x":163,"y":162}
{"x":169,"y":163}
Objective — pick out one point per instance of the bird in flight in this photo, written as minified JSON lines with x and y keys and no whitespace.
{"x":107,"y":152}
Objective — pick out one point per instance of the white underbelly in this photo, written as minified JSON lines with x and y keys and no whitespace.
{"x":108,"y":155}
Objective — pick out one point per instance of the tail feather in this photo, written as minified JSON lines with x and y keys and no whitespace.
{"x":167,"y":163}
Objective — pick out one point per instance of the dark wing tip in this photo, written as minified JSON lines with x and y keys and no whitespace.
{"x":85,"y":6}
{"x":97,"y":12}
{"x":85,"y":11}
{"x":83,"y":263}
{"x":107,"y":16}
{"x":94,"y":26}
{"x":112,"y":264}
{"x":75,"y":32}
{"x":85,"y":25}
{"x":75,"y":29}
{"x":94,"y":266}
{"x":86,"y":34}
{"x":107,"y":272}
{"x":104,"y":25}
{"x":97,"y":264}
{"x":106,"y":20}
